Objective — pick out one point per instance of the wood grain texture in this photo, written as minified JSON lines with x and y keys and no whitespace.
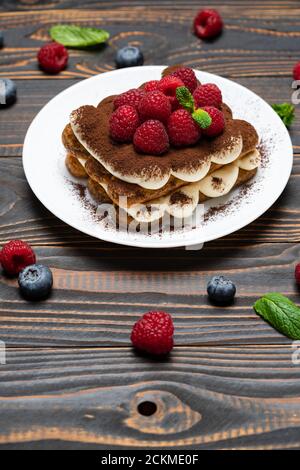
{"x":208,"y":397}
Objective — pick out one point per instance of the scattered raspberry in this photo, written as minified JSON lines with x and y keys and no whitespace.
{"x":297,"y":273}
{"x":151,"y":137}
{"x":168,"y":86}
{"x":131,"y":97}
{"x":218,"y":122}
{"x":53,"y":57}
{"x":187,"y":75}
{"x":153,"y":333}
{"x":208,"y":95}
{"x":15,"y":256}
{"x":154,"y":105}
{"x":123,"y":123}
{"x":182,"y":129}
{"x":296,"y":71}
{"x":151,"y":86}
{"x":208,"y":24}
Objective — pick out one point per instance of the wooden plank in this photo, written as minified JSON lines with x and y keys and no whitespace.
{"x":205,"y":398}
{"x":34,"y":94}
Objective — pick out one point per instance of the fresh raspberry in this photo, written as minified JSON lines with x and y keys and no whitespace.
{"x":154,"y":105}
{"x":296,"y":71}
{"x":53,"y":57}
{"x":297,"y":273}
{"x":151,"y":86}
{"x":15,"y":256}
{"x":208,"y":24}
{"x":123,"y":123}
{"x":208,"y":95}
{"x":182,"y":129}
{"x":218,"y":122}
{"x":151,"y":137}
{"x":168,"y":86}
{"x":131,"y":97}
{"x":153,"y":333}
{"x":187,"y":75}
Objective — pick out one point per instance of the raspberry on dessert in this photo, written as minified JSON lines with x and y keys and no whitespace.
{"x":188,"y":77}
{"x":151,"y":86}
{"x":168,"y":86}
{"x":151,"y":137}
{"x":131,"y":97}
{"x":296,"y":71}
{"x":53,"y":57}
{"x":154,"y":105}
{"x":123,"y":123}
{"x":218,"y":122}
{"x":15,"y":256}
{"x":182,"y":129}
{"x":208,"y":24}
{"x":153,"y":333}
{"x":208,"y":95}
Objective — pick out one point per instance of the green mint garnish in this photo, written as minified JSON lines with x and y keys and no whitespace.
{"x":202,"y":118}
{"x":286,"y":112}
{"x":78,"y":37}
{"x":185,"y":98}
{"x":281,"y":313}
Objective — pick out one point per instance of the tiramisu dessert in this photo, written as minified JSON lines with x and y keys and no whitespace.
{"x":163,"y":147}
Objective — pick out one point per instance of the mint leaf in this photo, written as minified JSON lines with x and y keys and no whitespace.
{"x":202,"y":118}
{"x":185,"y":98}
{"x":281,"y":313}
{"x":76,"y":36}
{"x":286,"y":112}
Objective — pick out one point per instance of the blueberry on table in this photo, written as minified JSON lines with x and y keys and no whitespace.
{"x":1,"y":39}
{"x":129,"y":56}
{"x":8,"y":92}
{"x":221,"y":290}
{"x":35,"y":282}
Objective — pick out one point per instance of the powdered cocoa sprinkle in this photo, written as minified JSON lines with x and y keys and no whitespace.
{"x":216,"y":182}
{"x":180,"y":198}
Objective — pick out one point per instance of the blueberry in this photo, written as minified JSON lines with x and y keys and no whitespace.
{"x":220,"y":290}
{"x":8,"y":92}
{"x":1,"y":39}
{"x":35,"y":282}
{"x":129,"y":56}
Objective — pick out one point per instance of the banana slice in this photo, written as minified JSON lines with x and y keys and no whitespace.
{"x":250,"y":161}
{"x":219,"y":182}
{"x":230,"y":154}
{"x":191,"y":176}
{"x":183,"y":202}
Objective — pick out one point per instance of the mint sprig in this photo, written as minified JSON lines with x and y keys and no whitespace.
{"x":185,"y":98}
{"x":281,"y":313}
{"x":202,"y":118}
{"x":286,"y":112}
{"x":77,"y":36}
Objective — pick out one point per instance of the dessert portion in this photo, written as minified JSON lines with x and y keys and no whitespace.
{"x":164,"y":147}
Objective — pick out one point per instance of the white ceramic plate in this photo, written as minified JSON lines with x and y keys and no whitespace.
{"x":43,"y":161}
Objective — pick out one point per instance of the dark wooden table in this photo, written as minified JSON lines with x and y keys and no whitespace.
{"x":71,"y":378}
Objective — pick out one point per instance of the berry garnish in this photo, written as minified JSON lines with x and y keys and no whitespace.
{"x":208,"y":95}
{"x":53,"y":57}
{"x":168,"y":86}
{"x":221,"y":291}
{"x":35,"y":282}
{"x":297,"y":273}
{"x":182,"y":129}
{"x":153,"y":333}
{"x":296,"y":71}
{"x":15,"y":256}
{"x":154,"y":105}
{"x":151,"y":86}
{"x":208,"y":24}
{"x":151,"y":137}
{"x":218,"y":122}
{"x":123,"y":123}
{"x":129,"y":56}
{"x":10,"y":92}
{"x":131,"y":97}
{"x":187,"y":76}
